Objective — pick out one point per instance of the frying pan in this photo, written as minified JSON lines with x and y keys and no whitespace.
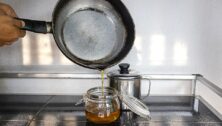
{"x":95,"y":34}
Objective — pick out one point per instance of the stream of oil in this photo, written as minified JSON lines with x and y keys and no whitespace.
{"x":102,"y":77}
{"x":103,"y":94}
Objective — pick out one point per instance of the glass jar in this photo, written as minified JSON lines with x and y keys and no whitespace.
{"x":102,"y":105}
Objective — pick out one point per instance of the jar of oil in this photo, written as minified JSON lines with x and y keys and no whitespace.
{"x":102,"y":105}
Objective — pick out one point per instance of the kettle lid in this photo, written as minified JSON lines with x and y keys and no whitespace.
{"x":124,"y":71}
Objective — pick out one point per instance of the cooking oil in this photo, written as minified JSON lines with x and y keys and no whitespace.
{"x":102,"y":77}
{"x":102,"y":109}
{"x":103,"y":118}
{"x":103,"y":96}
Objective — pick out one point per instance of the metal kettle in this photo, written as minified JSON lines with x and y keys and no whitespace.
{"x":127,"y":82}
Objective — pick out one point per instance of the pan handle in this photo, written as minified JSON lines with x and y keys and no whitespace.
{"x":36,"y":26}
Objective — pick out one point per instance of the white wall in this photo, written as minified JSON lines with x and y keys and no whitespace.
{"x":172,"y":36}
{"x":178,"y":36}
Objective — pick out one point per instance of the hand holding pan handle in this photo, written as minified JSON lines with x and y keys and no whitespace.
{"x":36,"y":26}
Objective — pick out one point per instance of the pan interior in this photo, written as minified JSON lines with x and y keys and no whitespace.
{"x":91,"y":35}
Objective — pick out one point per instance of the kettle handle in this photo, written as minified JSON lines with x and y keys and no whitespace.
{"x":148,"y":93}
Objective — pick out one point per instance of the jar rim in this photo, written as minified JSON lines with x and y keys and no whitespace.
{"x":95,"y":94}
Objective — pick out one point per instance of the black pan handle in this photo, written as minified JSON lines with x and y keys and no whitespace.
{"x":36,"y":26}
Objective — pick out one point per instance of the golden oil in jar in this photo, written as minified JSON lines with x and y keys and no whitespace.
{"x":102,"y":105}
{"x":103,"y":118}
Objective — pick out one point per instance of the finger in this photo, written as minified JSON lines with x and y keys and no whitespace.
{"x":8,"y":10}
{"x":18,"y":23}
{"x":1,"y":44}
{"x":10,"y":20}
{"x":16,"y":26}
{"x":9,"y":41}
{"x":6,"y":43}
{"x":18,"y":32}
{"x":10,"y":34}
{"x":12,"y":13}
{"x":2,"y":12}
{"x":22,"y":33}
{"x":6,"y":19}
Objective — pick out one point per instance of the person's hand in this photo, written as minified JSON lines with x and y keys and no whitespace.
{"x":9,"y":26}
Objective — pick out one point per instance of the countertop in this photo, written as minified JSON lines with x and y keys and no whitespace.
{"x":52,"y":110}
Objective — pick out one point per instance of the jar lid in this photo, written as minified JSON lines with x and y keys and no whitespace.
{"x":124,"y":71}
{"x":135,"y":105}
